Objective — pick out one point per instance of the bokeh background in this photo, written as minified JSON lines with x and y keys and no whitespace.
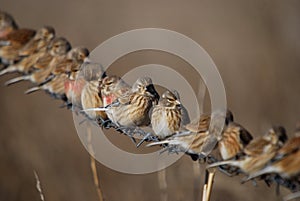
{"x":255,"y":45}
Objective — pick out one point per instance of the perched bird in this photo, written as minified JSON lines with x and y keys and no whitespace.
{"x":72,"y":62}
{"x":35,"y":49}
{"x":198,"y":141}
{"x":41,"y":40}
{"x":258,"y":152}
{"x":286,"y":162}
{"x":91,"y":98}
{"x":112,"y":88}
{"x":184,"y":112}
{"x":166,"y":115}
{"x":7,"y":24}
{"x":55,"y":87}
{"x":133,"y":108}
{"x":12,"y":39}
{"x":56,"y":53}
{"x":73,"y":88}
{"x":92,"y":74}
{"x":233,"y":140}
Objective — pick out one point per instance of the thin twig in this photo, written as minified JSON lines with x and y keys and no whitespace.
{"x":93,"y":164}
{"x":38,"y":186}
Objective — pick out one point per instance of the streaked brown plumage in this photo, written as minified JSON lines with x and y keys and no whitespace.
{"x":73,"y":88}
{"x":34,"y":50}
{"x":41,"y":40}
{"x":166,"y":115}
{"x":13,"y":42}
{"x":258,"y":152}
{"x":72,"y":61}
{"x":286,"y":162}
{"x":133,"y":109}
{"x":7,"y":24}
{"x":55,"y":87}
{"x":91,"y":98}
{"x":233,"y":141}
{"x":112,"y":88}
{"x":58,"y":49}
{"x":199,"y":141}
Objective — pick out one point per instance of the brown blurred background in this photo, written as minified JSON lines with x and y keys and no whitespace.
{"x":255,"y":45}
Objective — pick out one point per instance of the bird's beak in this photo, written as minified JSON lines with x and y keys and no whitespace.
{"x":87,"y":60}
{"x":178,"y":102}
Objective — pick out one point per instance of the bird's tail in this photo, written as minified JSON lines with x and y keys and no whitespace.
{"x":17,"y":79}
{"x":95,"y":109}
{"x":158,"y":143}
{"x":9,"y":69}
{"x":229,"y":162}
{"x":31,"y":90}
{"x":268,"y":169}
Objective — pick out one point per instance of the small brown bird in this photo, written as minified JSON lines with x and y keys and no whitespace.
{"x":198,"y":141}
{"x":91,"y":98}
{"x":72,"y":62}
{"x":57,"y":51}
{"x":41,"y":40}
{"x":185,"y":119}
{"x":73,"y":88}
{"x":7,"y":24}
{"x":133,"y":109}
{"x":112,"y":88}
{"x":55,"y":87}
{"x":166,"y":115}
{"x":286,"y":162}
{"x":91,"y":75}
{"x":258,"y":152}
{"x":35,"y":49}
{"x":12,"y":39}
{"x":233,"y":140}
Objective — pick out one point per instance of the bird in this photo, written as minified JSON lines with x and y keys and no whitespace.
{"x":41,"y":40}
{"x":56,"y":53}
{"x":32,"y":51}
{"x":197,"y":140}
{"x":72,"y":62}
{"x":132,"y":109}
{"x":92,"y":73}
{"x":286,"y":162}
{"x":91,"y":98}
{"x":258,"y":152}
{"x":7,"y":24}
{"x":56,"y":85}
{"x":73,"y":87}
{"x":166,"y":115}
{"x":113,"y":87}
{"x":233,"y":140}
{"x":12,"y":39}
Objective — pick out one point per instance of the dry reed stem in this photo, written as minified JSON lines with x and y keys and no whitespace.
{"x":211,"y":176}
{"x":197,"y":179}
{"x":93,"y":164}
{"x":38,"y":186}
{"x":163,"y":185}
{"x":208,"y":184}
